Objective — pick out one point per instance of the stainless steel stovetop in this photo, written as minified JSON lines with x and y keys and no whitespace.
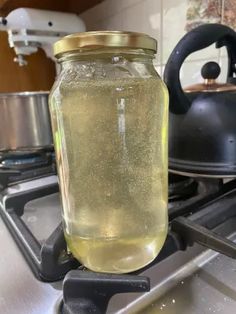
{"x":195,"y":281}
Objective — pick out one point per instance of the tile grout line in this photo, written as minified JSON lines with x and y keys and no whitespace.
{"x":222,"y":11}
{"x":221,"y":21}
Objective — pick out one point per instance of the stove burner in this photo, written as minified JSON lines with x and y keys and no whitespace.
{"x":21,"y":160}
{"x":181,"y":187}
{"x":20,"y":165}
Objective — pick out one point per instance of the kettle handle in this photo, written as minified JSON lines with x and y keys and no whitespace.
{"x":197,"y":39}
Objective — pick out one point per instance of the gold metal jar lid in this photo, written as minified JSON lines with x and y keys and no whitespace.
{"x":103,"y":39}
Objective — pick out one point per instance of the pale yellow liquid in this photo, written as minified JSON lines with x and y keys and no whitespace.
{"x":114,"y":255}
{"x":111,"y":147}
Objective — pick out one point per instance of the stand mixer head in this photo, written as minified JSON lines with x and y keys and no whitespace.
{"x":30,"y":29}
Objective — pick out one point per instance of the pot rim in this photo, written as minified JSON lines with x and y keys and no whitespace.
{"x":24,"y":94}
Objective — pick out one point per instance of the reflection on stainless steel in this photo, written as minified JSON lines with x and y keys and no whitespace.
{"x":49,"y":211}
{"x":195,"y":281}
{"x":25,"y":121}
{"x":209,"y":289}
{"x":20,"y":291}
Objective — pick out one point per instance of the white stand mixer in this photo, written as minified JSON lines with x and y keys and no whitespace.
{"x":30,"y":29}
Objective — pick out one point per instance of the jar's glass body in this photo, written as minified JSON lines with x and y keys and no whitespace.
{"x":110,"y":119}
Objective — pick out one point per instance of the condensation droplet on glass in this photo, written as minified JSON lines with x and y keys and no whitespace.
{"x":182,"y":282}
{"x":173,"y":301}
{"x":163,"y":304}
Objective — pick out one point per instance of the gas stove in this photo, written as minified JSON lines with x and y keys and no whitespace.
{"x":188,"y":276}
{"x":18,"y":166}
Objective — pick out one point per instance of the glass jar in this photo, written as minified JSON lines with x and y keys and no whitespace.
{"x":109,"y":112}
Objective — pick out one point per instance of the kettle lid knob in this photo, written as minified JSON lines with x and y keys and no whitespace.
{"x":210,"y":70}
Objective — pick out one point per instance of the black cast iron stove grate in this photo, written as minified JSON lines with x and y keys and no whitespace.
{"x":84,"y":290}
{"x":49,"y":261}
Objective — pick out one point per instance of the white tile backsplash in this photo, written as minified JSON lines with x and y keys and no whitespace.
{"x":107,"y":10}
{"x":148,"y":15}
{"x":223,"y":52}
{"x":95,"y":14}
{"x":167,"y":21}
{"x":224,"y":69}
{"x":190,"y":72}
{"x":132,"y":15}
{"x":120,"y":5}
{"x":211,"y":53}
{"x":174,"y":21}
{"x":115,"y":22}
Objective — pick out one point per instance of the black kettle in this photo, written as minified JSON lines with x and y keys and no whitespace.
{"x":202,"y":131}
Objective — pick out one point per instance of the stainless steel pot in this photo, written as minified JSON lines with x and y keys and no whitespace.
{"x":25,"y":121}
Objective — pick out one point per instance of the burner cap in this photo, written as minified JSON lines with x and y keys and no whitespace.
{"x":24,"y":160}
